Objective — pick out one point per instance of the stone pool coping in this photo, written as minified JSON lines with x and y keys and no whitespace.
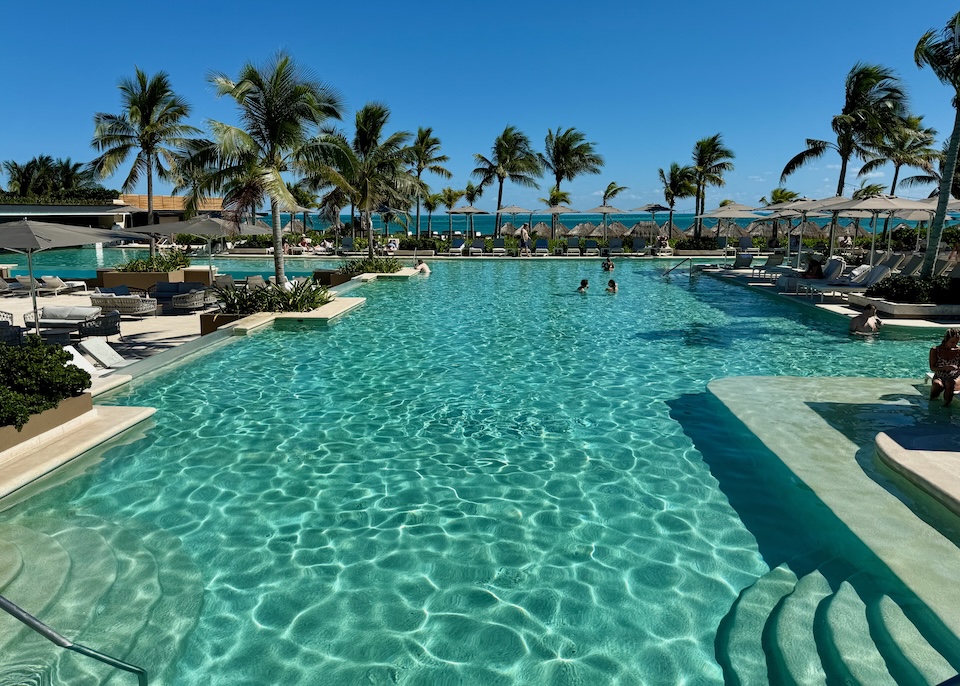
{"x":780,"y":412}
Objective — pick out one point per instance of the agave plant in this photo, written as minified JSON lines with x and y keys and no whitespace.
{"x":299,"y":296}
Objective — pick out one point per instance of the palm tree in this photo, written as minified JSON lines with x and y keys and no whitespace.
{"x":678,"y":183}
{"x":567,"y":155}
{"x":512,"y":159}
{"x":30,"y":179}
{"x":471,"y":194}
{"x":281,"y":105}
{"x":449,"y":199}
{"x":941,"y":52}
{"x":711,"y":159}
{"x":868,"y":190}
{"x":612,"y":191}
{"x":874,"y":104}
{"x":431,"y":203}
{"x":371,"y":169}
{"x":777,"y":196}
{"x":425,"y":157}
{"x":71,"y":176}
{"x":934,"y":176}
{"x":151,"y":123}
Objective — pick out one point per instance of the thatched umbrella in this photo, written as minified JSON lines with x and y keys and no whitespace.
{"x":541,"y":229}
{"x":645,"y":230}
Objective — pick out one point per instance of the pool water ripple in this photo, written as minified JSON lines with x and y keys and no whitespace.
{"x":474,"y":479}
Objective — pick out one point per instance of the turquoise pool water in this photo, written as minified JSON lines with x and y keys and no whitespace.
{"x":480,"y":477}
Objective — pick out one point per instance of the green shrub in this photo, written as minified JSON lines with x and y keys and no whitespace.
{"x":35,"y":377}
{"x":166,"y":261}
{"x":189,"y":239}
{"x":302,"y":296}
{"x":262,"y":241}
{"x":370,"y":265}
{"x":702,"y":243}
{"x":422,"y":243}
{"x":913,"y":289}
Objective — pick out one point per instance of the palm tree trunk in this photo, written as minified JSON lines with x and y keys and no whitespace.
{"x":946,"y":183}
{"x":418,"y":216}
{"x":277,"y":243}
{"x":150,"y":217}
{"x":893,"y":191}
{"x":496,"y":231}
{"x":367,"y":219}
{"x":843,"y":174}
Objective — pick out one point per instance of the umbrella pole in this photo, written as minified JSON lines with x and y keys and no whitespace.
{"x":873,"y":237}
{"x":33,"y":291}
{"x":210,"y":257}
{"x":803,"y":220}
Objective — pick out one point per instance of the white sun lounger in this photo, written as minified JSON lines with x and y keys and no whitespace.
{"x":82,"y":362}
{"x":103,"y":353}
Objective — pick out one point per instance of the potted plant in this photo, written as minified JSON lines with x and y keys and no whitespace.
{"x":145,"y":273}
{"x":237,"y":303}
{"x":39,"y":390}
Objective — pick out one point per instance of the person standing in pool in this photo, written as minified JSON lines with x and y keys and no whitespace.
{"x":608,"y":266}
{"x":584,"y":285}
{"x":611,"y":286}
{"x":866,"y":322}
{"x":945,"y":365}
{"x":422,"y":268}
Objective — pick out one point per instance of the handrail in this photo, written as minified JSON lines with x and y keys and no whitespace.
{"x":685,"y":259}
{"x":25,"y":617}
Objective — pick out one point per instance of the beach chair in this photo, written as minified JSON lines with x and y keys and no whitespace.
{"x":910,"y":266}
{"x":942,"y":266}
{"x":456,"y":248}
{"x":541,"y":247}
{"x":7,"y":288}
{"x":873,"y":276}
{"x":255,"y":281}
{"x":741,"y":261}
{"x":56,"y":285}
{"x":615,"y":246}
{"x":639,"y":246}
{"x":476,"y":248}
{"x":104,"y":354}
{"x":591,"y":249}
{"x":224,"y":281}
{"x":79,"y":361}
{"x":746,"y":245}
{"x":573,"y":246}
{"x":346,"y":245}
{"x":761,"y":269}
{"x":891,"y":260}
{"x":27,"y":282}
{"x":499,"y":247}
{"x":10,"y":334}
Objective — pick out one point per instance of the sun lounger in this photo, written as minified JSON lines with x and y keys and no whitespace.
{"x":741,"y":261}
{"x":772,"y":261}
{"x":541,"y":247}
{"x":909,"y":266}
{"x":104,"y":354}
{"x":26,"y":282}
{"x":499,"y":247}
{"x":875,"y":275}
{"x":476,"y":248}
{"x":639,"y":246}
{"x":591,"y":249}
{"x":573,"y":246}
{"x":892,"y":260}
{"x":615,"y":246}
{"x":7,"y":288}
{"x":58,"y":284}
{"x":456,"y":248}
{"x":81,"y":362}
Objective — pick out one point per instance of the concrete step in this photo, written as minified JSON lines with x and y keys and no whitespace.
{"x":847,"y":650}
{"x":788,"y":637}
{"x":909,"y":657}
{"x":739,"y":646}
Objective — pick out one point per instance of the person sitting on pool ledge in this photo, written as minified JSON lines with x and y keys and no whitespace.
{"x":945,"y":365}
{"x":611,"y":286}
{"x":608,"y":266}
{"x":867,"y":322}
{"x":584,"y":285}
{"x":422,"y":268}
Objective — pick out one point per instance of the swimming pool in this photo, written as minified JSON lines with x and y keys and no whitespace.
{"x":480,"y":477}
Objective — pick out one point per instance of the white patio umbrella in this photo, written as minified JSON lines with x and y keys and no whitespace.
{"x":212,"y":228}
{"x":513,"y":211}
{"x":469,"y":210}
{"x":556,"y":210}
{"x":28,"y":237}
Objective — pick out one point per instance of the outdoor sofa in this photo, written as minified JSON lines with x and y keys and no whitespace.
{"x":123,"y":301}
{"x":68,"y":317}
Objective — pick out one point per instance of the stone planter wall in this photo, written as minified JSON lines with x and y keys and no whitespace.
{"x":143,"y":280}
{"x":68,"y":410}
{"x":907,"y":310}
{"x":210,"y":322}
{"x":329,"y":277}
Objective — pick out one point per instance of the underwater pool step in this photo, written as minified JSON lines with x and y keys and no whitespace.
{"x":10,"y":564}
{"x":45,"y":568}
{"x":847,"y":650}
{"x":909,"y":657}
{"x":788,"y":639}
{"x":738,"y":646}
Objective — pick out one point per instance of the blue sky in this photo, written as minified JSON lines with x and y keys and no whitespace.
{"x":643,"y":82}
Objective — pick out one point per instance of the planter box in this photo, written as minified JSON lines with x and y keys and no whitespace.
{"x":698,"y":253}
{"x":414,"y":253}
{"x":329,"y":277}
{"x":68,"y":410}
{"x":143,"y":280}
{"x":210,"y":322}
{"x":907,"y":310}
{"x":198,"y":275}
{"x":251,"y":251}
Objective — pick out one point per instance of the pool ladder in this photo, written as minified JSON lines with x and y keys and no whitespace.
{"x":25,"y":617}
{"x":687,"y":259}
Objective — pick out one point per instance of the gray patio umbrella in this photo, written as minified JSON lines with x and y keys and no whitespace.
{"x":28,"y":237}
{"x":468,"y":210}
{"x":652,"y":208}
{"x":605,"y":210}
{"x":731,"y":211}
{"x":556,"y":210}
{"x":513,"y":211}
{"x":211,"y":228}
{"x":881,"y":203}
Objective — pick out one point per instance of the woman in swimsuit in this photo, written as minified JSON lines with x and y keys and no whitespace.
{"x":945,"y":365}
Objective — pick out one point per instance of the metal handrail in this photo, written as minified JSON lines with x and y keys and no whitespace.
{"x":25,"y":617}
{"x":686,"y":259}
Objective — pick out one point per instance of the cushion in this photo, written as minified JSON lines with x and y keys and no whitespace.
{"x":166,"y":288}
{"x":115,"y":290}
{"x":190,"y":286}
{"x":57,"y":312}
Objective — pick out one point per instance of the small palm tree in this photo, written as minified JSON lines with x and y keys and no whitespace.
{"x":940,"y":50}
{"x":874,"y":104}
{"x":471,"y":194}
{"x":711,"y":159}
{"x":777,"y":196}
{"x":612,"y":191}
{"x":678,"y":183}
{"x":425,"y":157}
{"x":512,"y":159}
{"x":567,"y":155}
{"x":431,"y":203}
{"x":281,"y":107}
{"x":151,"y":125}
{"x":868,"y":190}
{"x":449,"y":199}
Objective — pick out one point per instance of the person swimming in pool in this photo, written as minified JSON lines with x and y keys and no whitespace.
{"x":422,"y":268}
{"x":611,"y":286}
{"x":608,"y":266}
{"x":584,"y":285}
